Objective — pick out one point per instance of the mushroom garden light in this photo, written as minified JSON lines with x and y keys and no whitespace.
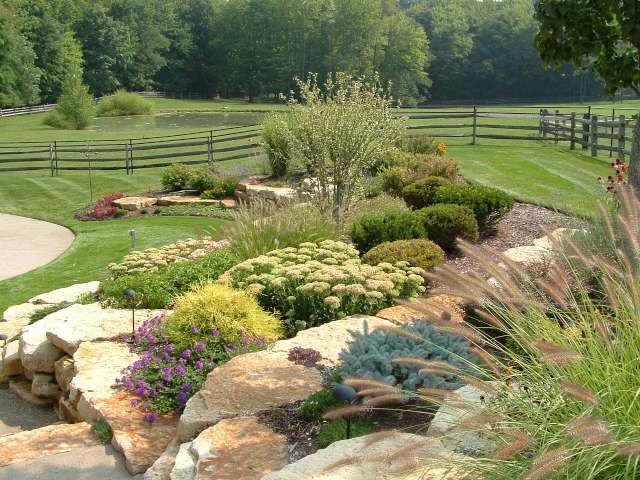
{"x":346,"y":393}
{"x":130,"y":293}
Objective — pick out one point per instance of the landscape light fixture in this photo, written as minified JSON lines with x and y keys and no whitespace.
{"x":132,"y":234}
{"x":346,"y":393}
{"x":130,"y":293}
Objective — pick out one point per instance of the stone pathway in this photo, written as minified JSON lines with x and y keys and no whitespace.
{"x":26,"y":244}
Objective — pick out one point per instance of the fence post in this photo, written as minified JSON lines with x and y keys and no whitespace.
{"x":585,"y":131}
{"x":594,"y":136}
{"x":556,"y":126}
{"x":622,"y":130}
{"x":475,"y":124}
{"x":613,"y":124}
{"x":210,"y":148}
{"x":51,"y":158}
{"x":55,"y":156}
{"x":540,"y":113}
{"x":573,"y":130}
{"x":126,"y":158}
{"x":544,"y":122}
{"x":131,"y":156}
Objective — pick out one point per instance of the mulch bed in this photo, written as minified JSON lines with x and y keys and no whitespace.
{"x":518,"y":228}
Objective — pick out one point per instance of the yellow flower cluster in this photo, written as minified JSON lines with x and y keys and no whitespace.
{"x":442,"y":149}
{"x":152,"y":259}
{"x":316,"y":283}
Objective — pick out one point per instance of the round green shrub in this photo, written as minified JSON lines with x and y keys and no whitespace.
{"x":214,"y":313}
{"x":443,"y":223}
{"x":374,"y":228}
{"x":423,"y":144}
{"x":222,"y":187}
{"x":418,"y":252}
{"x":177,"y":177}
{"x":421,"y":193}
{"x":276,"y":135}
{"x":394,"y":179}
{"x":488,"y":204}
{"x":371,"y":354}
{"x":124,"y":103}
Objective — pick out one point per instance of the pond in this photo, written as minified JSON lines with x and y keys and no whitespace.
{"x":175,"y":121}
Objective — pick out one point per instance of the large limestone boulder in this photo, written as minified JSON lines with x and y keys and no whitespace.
{"x":186,"y":200}
{"x":64,"y":372}
{"x":248,"y":192}
{"x":67,"y":294}
{"x":530,"y":256}
{"x":11,"y":364}
{"x":43,"y":442}
{"x":44,"y":385}
{"x":135,"y":203}
{"x":246,"y":385}
{"x":37,"y":353}
{"x":20,"y":312}
{"x":441,"y":306}
{"x":331,"y":338}
{"x":448,"y":423}
{"x":371,"y":457}
{"x":557,"y":237}
{"x":89,"y":323}
{"x":234,"y":449}
{"x":97,"y":366}
{"x":22,"y":388}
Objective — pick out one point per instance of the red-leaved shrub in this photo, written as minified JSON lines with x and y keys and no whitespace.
{"x":104,"y":207}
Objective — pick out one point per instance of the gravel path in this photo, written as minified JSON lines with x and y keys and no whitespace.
{"x":518,"y":228}
{"x":26,"y":244}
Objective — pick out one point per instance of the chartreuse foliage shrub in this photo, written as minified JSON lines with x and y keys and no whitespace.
{"x":317,"y":283}
{"x":386,"y":225}
{"x":565,"y":385}
{"x":418,"y":253}
{"x":422,"y":193}
{"x":177,"y":177}
{"x":124,"y":103}
{"x":371,"y":355}
{"x":158,"y":286}
{"x":219,"y":315}
{"x":488,"y":204}
{"x":443,"y":223}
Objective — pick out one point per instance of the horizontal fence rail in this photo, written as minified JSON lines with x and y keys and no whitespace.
{"x":590,"y":129}
{"x":12,"y":112}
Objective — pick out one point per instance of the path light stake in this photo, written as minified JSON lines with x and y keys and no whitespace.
{"x":132,"y":234}
{"x":131,"y":294}
{"x":346,"y":393}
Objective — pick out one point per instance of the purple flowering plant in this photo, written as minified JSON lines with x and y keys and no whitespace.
{"x":165,"y":375}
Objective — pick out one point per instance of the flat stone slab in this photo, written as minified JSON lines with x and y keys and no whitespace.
{"x":234,"y":449}
{"x":446,"y":424}
{"x":245,"y":385}
{"x":97,"y":366}
{"x":135,"y":203}
{"x":37,"y":353}
{"x":331,"y":338}
{"x":22,"y":388}
{"x":440,"y":305}
{"x":557,"y":237}
{"x":20,"y":312}
{"x":27,"y":243}
{"x":45,"y":441}
{"x":530,"y":255}
{"x":68,"y":294}
{"x":10,"y":364}
{"x":371,"y":457}
{"x":88,"y":323}
{"x":186,"y":200}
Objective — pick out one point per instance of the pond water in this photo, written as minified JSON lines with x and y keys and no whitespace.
{"x":174,"y":121}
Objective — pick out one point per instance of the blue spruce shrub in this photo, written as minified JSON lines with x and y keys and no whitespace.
{"x":370,"y":355}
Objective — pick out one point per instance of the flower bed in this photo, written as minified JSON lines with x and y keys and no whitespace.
{"x":317,"y":283}
{"x":152,"y":259}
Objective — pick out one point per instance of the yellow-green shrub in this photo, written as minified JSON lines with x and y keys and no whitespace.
{"x":219,"y":315}
{"x":419,"y":253}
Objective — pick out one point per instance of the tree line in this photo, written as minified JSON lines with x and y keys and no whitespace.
{"x":427,"y":49}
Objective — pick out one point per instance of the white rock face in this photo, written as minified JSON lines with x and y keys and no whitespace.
{"x":10,"y":364}
{"x":67,"y":294}
{"x":37,"y":353}
{"x":529,"y":255}
{"x":97,"y":365}
{"x":20,"y":312}
{"x":184,"y":467}
{"x":331,"y":338}
{"x":135,"y":203}
{"x":89,"y":323}
{"x":356,"y":459}
{"x":446,"y":423}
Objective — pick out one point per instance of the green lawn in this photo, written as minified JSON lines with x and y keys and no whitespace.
{"x":538,"y":172}
{"x":97,"y":243}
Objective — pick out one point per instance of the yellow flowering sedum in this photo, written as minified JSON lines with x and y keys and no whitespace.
{"x":317,"y":283}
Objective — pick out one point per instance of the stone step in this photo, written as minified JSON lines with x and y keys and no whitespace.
{"x":45,"y":441}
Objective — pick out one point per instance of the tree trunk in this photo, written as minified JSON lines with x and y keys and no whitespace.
{"x":634,"y":161}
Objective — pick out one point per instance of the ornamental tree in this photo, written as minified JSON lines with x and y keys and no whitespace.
{"x":604,"y":34}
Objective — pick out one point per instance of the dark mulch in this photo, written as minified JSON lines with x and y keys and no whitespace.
{"x":520,"y":227}
{"x":302,"y":434}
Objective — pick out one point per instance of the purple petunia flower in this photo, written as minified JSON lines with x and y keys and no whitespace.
{"x":215,"y":332}
{"x":150,"y":338}
{"x":169,"y":347}
{"x":180,"y":371}
{"x":185,"y":354}
{"x":167,"y":374}
{"x":150,"y":417}
{"x":200,"y":346}
{"x":245,"y":340}
{"x":186,"y":388}
{"x":199,"y":365}
{"x":182,"y":397}
{"x":135,"y":402}
{"x":194,"y":329}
